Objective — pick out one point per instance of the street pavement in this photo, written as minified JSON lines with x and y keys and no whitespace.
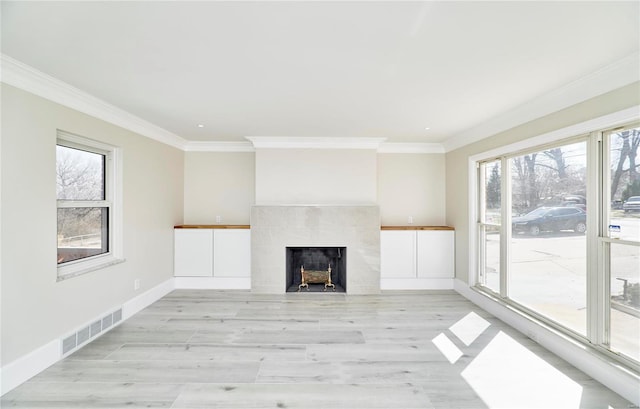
{"x":549,"y":275}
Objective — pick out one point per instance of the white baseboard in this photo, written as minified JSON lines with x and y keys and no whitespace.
{"x":416,"y":283}
{"x":142,"y":301}
{"x":212,"y":283}
{"x":24,"y":368}
{"x":609,"y":373}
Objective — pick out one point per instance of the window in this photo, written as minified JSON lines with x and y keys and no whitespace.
{"x":87,"y":212}
{"x":621,"y":240}
{"x":548,"y":250}
{"x":558,"y":234}
{"x":490,"y":224}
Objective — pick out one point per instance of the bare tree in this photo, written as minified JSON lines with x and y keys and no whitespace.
{"x":493,"y":187}
{"x":629,"y":142}
{"x":557,"y":156}
{"x":79,"y":177}
{"x":634,"y":143}
{"x":528,"y":189}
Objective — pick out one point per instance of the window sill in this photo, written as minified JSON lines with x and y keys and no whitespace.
{"x":81,"y":267}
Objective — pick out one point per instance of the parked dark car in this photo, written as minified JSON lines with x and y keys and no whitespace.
{"x":550,"y":219}
{"x":632,"y":204}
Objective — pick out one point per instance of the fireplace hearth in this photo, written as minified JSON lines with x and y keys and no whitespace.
{"x":325,"y":269}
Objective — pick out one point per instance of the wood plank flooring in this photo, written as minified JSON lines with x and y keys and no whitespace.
{"x":234,"y":349}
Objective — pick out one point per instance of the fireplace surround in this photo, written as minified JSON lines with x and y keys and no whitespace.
{"x":354,"y":228}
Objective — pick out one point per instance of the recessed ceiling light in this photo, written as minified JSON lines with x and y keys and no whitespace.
{"x":427,"y":128}
{"x":200,"y":126}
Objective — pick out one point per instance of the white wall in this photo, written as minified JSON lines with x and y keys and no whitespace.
{"x":225,"y":184}
{"x":218,"y":184}
{"x":411,"y":185}
{"x":35,"y":308}
{"x":316,"y":176}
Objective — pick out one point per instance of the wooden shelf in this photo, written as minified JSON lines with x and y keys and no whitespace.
{"x":212,"y":226}
{"x":246,"y":226}
{"x":416,"y":228}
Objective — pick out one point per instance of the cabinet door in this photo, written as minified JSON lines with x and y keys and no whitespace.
{"x":193,"y":253}
{"x":435,"y":254}
{"x":397,"y":254}
{"x":232,"y":253}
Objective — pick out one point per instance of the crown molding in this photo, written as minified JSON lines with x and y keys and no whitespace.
{"x":27,"y":78}
{"x":622,"y":72}
{"x":400,"y":147}
{"x":208,"y":146}
{"x":295,"y":142}
{"x":339,"y":143}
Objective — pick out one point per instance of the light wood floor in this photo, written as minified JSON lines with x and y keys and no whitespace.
{"x":234,"y":349}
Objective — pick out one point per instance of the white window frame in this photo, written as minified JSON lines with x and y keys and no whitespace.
{"x":596,"y":298}
{"x":112,"y":200}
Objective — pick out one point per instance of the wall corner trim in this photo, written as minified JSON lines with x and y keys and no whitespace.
{"x":27,"y":78}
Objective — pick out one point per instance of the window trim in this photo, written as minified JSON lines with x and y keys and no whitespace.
{"x":112,"y":200}
{"x":591,"y":131}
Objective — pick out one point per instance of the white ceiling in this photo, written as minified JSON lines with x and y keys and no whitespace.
{"x":322,"y":69}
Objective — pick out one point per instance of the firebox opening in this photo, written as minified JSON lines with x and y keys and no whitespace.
{"x":318,"y":259}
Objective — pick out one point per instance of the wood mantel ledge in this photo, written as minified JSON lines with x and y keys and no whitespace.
{"x":246,"y":226}
{"x":416,"y":228}
{"x":212,"y":226}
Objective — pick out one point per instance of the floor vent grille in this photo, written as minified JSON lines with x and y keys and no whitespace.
{"x":86,"y":334}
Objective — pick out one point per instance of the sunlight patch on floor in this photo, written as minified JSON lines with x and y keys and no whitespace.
{"x":469,"y":328}
{"x":447,"y":347}
{"x":506,"y":374}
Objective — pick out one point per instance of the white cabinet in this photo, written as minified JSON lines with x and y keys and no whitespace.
{"x":210,"y":252}
{"x":435,"y":253}
{"x":397,"y":254}
{"x":232,"y":253}
{"x":193,"y":253}
{"x":416,"y":259}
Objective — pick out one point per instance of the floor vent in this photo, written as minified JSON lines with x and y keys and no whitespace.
{"x":69,"y":344}
{"x":86,"y":334}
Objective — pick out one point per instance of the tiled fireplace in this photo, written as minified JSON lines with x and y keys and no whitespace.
{"x":275,"y":228}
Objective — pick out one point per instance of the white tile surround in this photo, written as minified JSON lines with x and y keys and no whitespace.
{"x":274,"y":228}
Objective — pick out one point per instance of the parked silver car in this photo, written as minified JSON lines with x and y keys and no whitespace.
{"x":632,"y":204}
